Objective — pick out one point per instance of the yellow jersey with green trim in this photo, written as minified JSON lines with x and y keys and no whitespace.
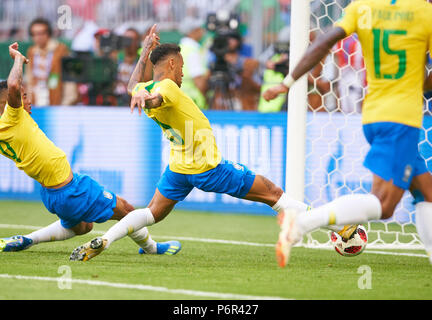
{"x":193,"y":148}
{"x":395,"y":36}
{"x":22,"y":141}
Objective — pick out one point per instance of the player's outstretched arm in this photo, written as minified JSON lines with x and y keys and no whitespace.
{"x":14,"y":81}
{"x":317,"y":51}
{"x":314,"y":54}
{"x":144,"y":69}
{"x":144,"y":99}
{"x":154,"y":101}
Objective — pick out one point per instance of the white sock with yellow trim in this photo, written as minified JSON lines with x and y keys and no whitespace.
{"x":53,"y":232}
{"x":144,"y":240}
{"x":349,"y":209}
{"x":424,"y":225}
{"x":134,"y":221}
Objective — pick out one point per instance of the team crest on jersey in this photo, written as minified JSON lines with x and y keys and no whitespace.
{"x":237,"y":166}
{"x":107,"y":195}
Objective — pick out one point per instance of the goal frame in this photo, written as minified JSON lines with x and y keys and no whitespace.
{"x":295,"y":178}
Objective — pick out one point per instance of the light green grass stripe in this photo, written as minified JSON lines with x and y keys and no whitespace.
{"x":143,"y":287}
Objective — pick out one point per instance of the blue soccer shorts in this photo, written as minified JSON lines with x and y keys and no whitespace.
{"x":394,"y":153}
{"x":82,"y":199}
{"x":227,"y":177}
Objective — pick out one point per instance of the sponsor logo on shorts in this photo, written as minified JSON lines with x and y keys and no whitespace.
{"x":407,"y":173}
{"x":107,"y":195}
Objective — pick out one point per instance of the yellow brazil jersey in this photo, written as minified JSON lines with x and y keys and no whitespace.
{"x":395,"y":36}
{"x":193,"y":147}
{"x":22,"y":141}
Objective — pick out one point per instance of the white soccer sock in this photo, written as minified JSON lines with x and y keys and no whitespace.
{"x":133,"y":221}
{"x":53,"y":232}
{"x":285,"y":202}
{"x":144,"y":240}
{"x":349,"y":209}
{"x":424,"y":225}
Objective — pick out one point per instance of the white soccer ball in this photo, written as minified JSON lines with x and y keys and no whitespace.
{"x":353,"y":246}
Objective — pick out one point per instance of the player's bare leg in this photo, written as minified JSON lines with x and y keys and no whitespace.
{"x":265,"y":191}
{"x":388,"y":194}
{"x":160,"y":206}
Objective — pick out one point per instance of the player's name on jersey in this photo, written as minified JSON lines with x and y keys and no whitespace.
{"x":388,"y":15}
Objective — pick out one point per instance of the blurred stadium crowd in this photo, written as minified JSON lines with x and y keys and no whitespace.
{"x":82,"y":52}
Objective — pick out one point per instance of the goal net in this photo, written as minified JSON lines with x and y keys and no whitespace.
{"x":334,"y":143}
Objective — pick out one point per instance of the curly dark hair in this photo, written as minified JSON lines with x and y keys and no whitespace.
{"x":162,"y":51}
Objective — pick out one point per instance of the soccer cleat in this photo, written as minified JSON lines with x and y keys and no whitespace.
{"x":88,"y":250}
{"x":169,"y":248}
{"x":15,"y":243}
{"x":348,"y":231}
{"x":288,"y":236}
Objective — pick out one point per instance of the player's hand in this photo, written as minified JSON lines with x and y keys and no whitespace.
{"x":14,"y":53}
{"x":151,"y":41}
{"x":273,"y":92}
{"x":139,"y":100}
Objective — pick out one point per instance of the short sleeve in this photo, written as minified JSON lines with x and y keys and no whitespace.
{"x":142,"y":85}
{"x":12,"y":114}
{"x":348,"y":20}
{"x":169,"y":91}
{"x":430,"y":35}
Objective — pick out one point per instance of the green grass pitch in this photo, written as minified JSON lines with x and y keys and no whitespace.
{"x":203,"y":269}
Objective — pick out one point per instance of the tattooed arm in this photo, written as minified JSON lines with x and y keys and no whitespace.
{"x":144,"y":68}
{"x":14,"y":81}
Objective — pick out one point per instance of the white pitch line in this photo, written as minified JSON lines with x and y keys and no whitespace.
{"x":18,"y":226}
{"x":245,"y":243}
{"x":391,"y":253}
{"x":142,"y":287}
{"x":398,"y":253}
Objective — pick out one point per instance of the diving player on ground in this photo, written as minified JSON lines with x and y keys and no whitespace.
{"x":195,"y":160}
{"x":76,"y":199}
{"x":395,"y":36}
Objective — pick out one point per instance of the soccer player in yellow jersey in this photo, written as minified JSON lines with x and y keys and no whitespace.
{"x":76,"y":199}
{"x":395,"y":36}
{"x":195,"y":160}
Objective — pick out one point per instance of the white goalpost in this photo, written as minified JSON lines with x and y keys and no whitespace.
{"x":297,"y":96}
{"x":325,"y":150}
